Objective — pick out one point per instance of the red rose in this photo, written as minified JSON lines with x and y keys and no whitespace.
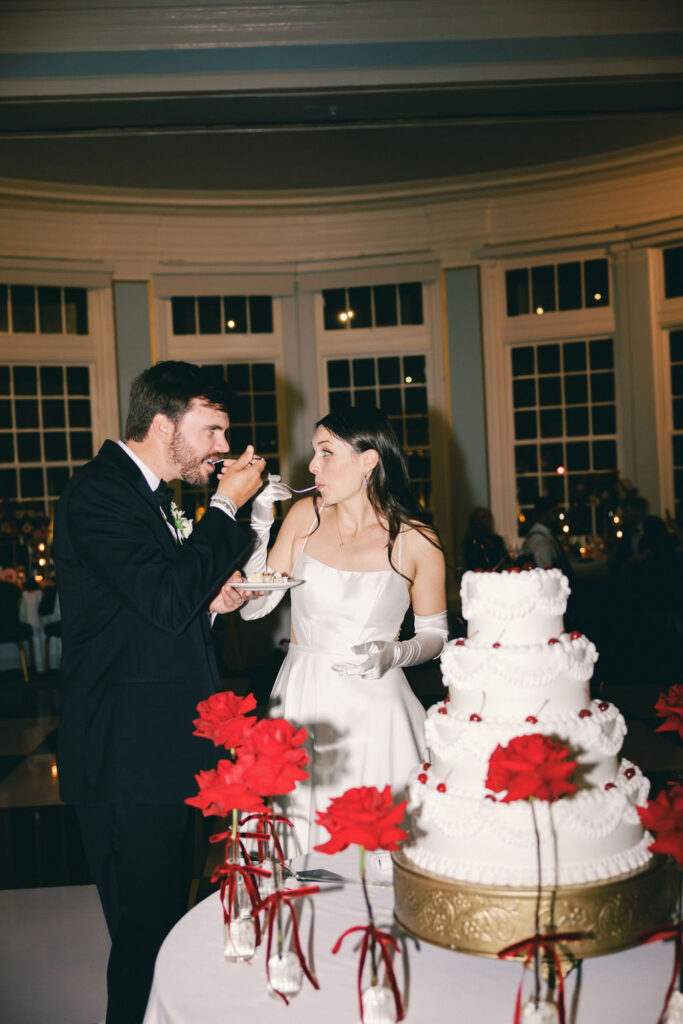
{"x":221,"y":719}
{"x":227,"y":787}
{"x":670,"y":708}
{"x":364,"y":816}
{"x":531,"y":766}
{"x":664,"y":817}
{"x":280,"y":756}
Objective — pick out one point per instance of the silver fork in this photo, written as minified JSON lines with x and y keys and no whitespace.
{"x":303,"y":490}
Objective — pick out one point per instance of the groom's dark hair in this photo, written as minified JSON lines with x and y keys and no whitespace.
{"x":169,"y":387}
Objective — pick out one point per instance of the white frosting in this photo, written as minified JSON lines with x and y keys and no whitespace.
{"x":459,"y":828}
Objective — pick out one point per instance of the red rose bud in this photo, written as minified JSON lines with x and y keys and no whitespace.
{"x":663,"y":816}
{"x":531,"y":766}
{"x":365,"y":816}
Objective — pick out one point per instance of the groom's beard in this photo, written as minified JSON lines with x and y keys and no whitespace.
{"x":191,"y":468}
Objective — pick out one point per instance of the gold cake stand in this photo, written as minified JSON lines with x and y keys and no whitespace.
{"x":483,"y":919}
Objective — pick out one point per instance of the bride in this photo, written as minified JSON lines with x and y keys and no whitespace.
{"x":365,"y":551}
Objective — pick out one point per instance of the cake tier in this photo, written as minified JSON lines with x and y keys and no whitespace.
{"x":594,"y":834}
{"x":526,"y":605}
{"x":460,"y":747}
{"x":519,"y":680}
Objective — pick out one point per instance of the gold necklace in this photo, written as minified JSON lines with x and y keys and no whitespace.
{"x":336,"y":520}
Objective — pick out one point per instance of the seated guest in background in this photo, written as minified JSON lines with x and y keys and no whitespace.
{"x":137,"y":655}
{"x":482,"y":548}
{"x":541,"y":545}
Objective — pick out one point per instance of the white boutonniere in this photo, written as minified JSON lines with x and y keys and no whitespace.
{"x":182,"y":524}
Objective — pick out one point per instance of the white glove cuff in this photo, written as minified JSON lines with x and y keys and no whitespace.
{"x":260,"y":606}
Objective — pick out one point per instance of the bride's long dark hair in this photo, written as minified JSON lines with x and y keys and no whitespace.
{"x":388,"y":483}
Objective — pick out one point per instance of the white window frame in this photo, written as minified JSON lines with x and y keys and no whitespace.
{"x":500,"y":334}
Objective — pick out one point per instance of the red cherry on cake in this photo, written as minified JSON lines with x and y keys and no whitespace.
{"x":496,"y":644}
{"x":553,"y":640}
{"x":459,"y":643}
{"x":514,"y":569}
{"x":443,"y":711}
{"x":585,"y":713}
{"x":422,"y":778}
{"x":447,"y":699}
{"x":441,"y":788}
{"x":426,"y":765}
{"x":603,"y":706}
{"x":629,"y":773}
{"x":531,"y":718}
{"x":528,"y":566}
{"x":474,"y":717}
{"x":574,"y":635}
{"x":489,"y":796}
{"x":610,"y":785}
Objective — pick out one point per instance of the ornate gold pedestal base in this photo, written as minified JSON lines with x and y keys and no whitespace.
{"x":482,"y":919}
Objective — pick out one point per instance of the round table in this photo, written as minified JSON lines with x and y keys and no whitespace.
{"x":194,"y":984}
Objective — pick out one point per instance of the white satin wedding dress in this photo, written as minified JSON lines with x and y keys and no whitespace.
{"x":361,"y":732}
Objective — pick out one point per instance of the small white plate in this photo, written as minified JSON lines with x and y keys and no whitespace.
{"x":275,"y":585}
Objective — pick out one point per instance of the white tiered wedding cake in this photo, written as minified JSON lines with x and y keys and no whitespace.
{"x":518,"y":673}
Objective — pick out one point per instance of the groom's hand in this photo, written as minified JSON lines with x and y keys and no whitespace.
{"x":241,"y":479}
{"x":228,"y":599}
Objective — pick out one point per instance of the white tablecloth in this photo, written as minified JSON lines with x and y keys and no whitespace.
{"x":194,"y":984}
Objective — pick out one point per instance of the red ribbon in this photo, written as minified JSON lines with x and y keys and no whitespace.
{"x":385,"y":942}
{"x":267,"y":819}
{"x":546,"y":943}
{"x":271,"y":905}
{"x":227,"y":873}
{"x":670,"y":931}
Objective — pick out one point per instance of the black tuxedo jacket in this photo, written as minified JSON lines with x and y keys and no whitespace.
{"x":137,"y":653}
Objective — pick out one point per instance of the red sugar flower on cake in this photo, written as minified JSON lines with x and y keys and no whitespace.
{"x":366,"y":816}
{"x":663,"y":816}
{"x":222,"y":719}
{"x":670,"y":708}
{"x":227,"y":787}
{"x":531,"y":766}
{"x":279,"y":756}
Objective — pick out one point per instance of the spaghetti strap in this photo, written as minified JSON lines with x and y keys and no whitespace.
{"x":400,"y":551}
{"x":308,"y":534}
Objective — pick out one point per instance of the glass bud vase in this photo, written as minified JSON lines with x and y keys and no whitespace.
{"x":267,"y":885}
{"x":240,"y":931}
{"x":286,"y":975}
{"x":544,"y":1013}
{"x":379,"y":1006}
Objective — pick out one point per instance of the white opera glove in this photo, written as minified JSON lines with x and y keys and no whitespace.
{"x":431,"y":633}
{"x":262,"y":519}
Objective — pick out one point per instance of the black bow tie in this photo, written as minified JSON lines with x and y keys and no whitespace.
{"x":164,"y":495}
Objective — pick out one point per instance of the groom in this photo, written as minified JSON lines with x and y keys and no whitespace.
{"x":135,"y":596}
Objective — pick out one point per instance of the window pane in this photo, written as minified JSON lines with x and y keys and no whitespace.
{"x":4,"y":308}
{"x":417,"y":431}
{"x":79,"y":412}
{"x":183,"y":313}
{"x":4,"y":380}
{"x":57,"y":479}
{"x":677,"y":379}
{"x":50,"y":310}
{"x":553,"y":488}
{"x":266,"y":407}
{"x":527,"y":490}
{"x":31,"y":483}
{"x":240,"y":437}
{"x":419,"y":465}
{"x":364,"y":398}
{"x":51,"y":380}
{"x":389,"y":370}
{"x":596,"y":283}
{"x":410,"y":301}
{"x":525,"y":425}
{"x":524,"y":393}
{"x":677,"y":450}
{"x":526,"y":458}
{"x":601,"y":354}
{"x":673,"y":272}
{"x":548,"y":357}
{"x":80,"y":442}
{"x":551,"y":422}
{"x":360,"y":304}
{"x":240,"y":409}
{"x":678,"y":413}
{"x":238,"y":376}
{"x":416,"y":400}
{"x":25,"y":380}
{"x":209,"y":310}
{"x":576,"y":420}
{"x":604,"y":419}
{"x":550,"y":391}
{"x":338,"y":373}
{"x":552,"y":456}
{"x":53,"y":412}
{"x":76,"y":310}
{"x":569,"y":285}
{"x":339,"y":400}
{"x":578,"y":456}
{"x":604,"y":454}
{"x":8,"y":483}
{"x":576,"y":389}
{"x":55,"y":447}
{"x":390,"y":401}
{"x":386,"y":311}
{"x":6,"y":448}
{"x":414,"y":367}
{"x":77,"y":380}
{"x":261,"y":314}
{"x":574,"y":355}
{"x":363,"y":372}
{"x":522,"y":361}
{"x":263,"y":376}
{"x":23,"y":308}
{"x":334,"y":304}
{"x":28,"y":446}
{"x":517,"y":291}
{"x":26,"y":411}
{"x":266,"y":437}
{"x":543,"y":288}
{"x":235,"y":313}
{"x":5,"y":413}
{"x":602,"y":387}
{"x":676,"y":346}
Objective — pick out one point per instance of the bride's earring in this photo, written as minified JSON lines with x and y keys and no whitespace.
{"x":365,"y":482}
